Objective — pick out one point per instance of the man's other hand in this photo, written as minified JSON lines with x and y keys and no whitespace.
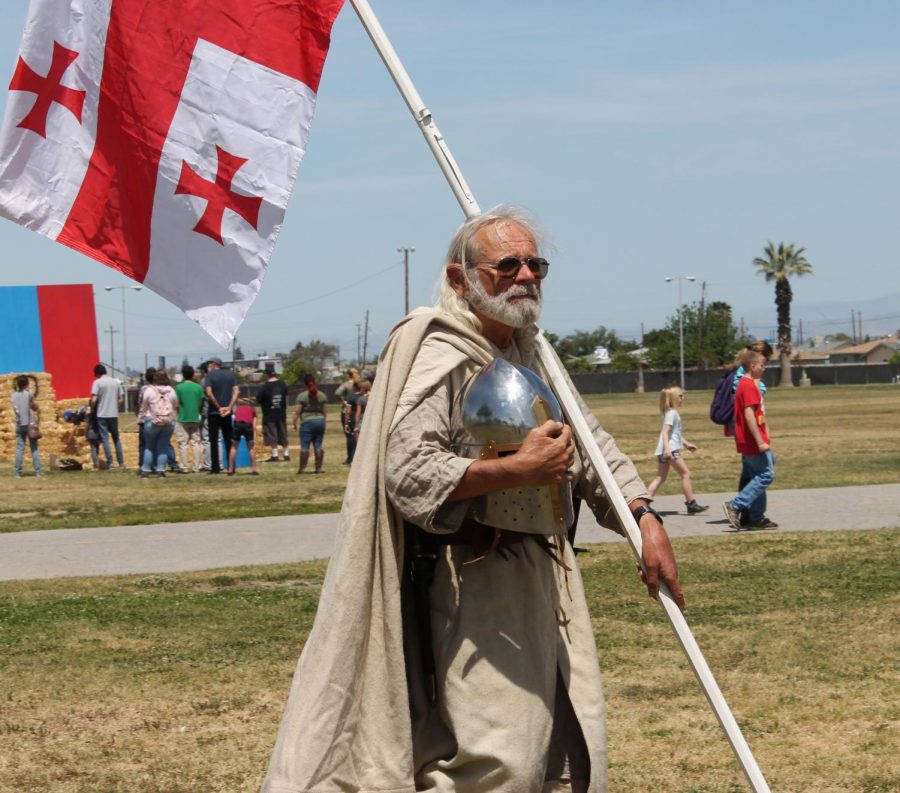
{"x":659,"y":560}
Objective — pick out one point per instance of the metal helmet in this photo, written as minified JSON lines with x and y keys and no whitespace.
{"x":499,"y":403}
{"x":502,"y":403}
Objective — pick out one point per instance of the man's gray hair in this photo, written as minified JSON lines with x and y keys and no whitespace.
{"x":464,"y":250}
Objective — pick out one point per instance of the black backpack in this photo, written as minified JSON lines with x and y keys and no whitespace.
{"x":721,"y":409}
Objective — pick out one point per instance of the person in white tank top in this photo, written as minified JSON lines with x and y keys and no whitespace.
{"x":668,"y":450}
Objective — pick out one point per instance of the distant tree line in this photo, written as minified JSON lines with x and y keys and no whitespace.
{"x":711,"y":340}
{"x":710,"y":336}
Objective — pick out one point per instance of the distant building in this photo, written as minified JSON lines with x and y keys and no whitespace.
{"x":275,"y":362}
{"x":809,"y":357}
{"x":599,"y":357}
{"x":874,"y":351}
{"x":259,"y":364}
{"x":843,"y":351}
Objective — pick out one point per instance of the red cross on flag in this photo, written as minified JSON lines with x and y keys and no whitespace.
{"x":164,"y":139}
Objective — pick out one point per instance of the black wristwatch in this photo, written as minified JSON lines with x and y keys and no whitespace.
{"x":642,"y":510}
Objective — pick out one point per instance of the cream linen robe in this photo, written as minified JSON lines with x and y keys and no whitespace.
{"x":347,"y":724}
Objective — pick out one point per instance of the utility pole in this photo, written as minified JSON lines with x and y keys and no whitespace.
{"x":406,"y":252}
{"x":366,"y":340}
{"x":640,"y":366}
{"x":853,"y":325}
{"x":112,"y":349}
{"x":859,"y":322}
{"x":700,"y":361}
{"x":680,"y":279}
{"x":123,"y":290}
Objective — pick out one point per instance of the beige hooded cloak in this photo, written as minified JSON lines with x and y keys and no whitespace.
{"x":347,"y":724}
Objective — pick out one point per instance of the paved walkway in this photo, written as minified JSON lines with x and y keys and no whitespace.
{"x":204,"y":545}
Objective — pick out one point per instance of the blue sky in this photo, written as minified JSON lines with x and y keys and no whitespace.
{"x":651,"y":139}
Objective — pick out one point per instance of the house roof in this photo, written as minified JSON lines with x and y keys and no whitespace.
{"x":824,"y":347}
{"x":805,"y":355}
{"x":866,"y":347}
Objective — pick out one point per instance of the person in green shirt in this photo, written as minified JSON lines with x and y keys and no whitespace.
{"x":187,"y":430}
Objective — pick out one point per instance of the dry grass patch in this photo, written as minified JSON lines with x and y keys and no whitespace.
{"x":122,"y":684}
{"x":176,"y":683}
{"x":801,"y":634}
{"x":76,"y":499}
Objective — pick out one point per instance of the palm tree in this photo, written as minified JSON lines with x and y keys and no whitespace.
{"x":778,"y":265}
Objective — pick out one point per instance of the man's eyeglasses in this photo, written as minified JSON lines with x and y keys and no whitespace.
{"x":509,"y":266}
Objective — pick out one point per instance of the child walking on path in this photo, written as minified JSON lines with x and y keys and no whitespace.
{"x":671,"y":443}
{"x":751,"y":437}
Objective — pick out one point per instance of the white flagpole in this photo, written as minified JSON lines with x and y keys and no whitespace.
{"x":416,"y":106}
{"x":676,"y":618}
{"x":579,"y":426}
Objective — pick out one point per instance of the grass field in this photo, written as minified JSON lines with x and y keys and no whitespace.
{"x":175,"y":684}
{"x":826,"y":436}
{"x":823,"y":436}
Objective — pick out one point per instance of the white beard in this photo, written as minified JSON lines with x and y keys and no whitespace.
{"x":501,"y":308}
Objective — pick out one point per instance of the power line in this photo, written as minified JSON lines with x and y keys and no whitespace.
{"x":344,"y":288}
{"x":336,"y":291}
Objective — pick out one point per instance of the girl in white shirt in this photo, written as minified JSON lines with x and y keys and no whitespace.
{"x":669,"y":448}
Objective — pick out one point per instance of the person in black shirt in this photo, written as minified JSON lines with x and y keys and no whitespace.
{"x":272,"y":398}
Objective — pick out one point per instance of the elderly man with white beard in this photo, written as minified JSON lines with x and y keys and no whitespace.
{"x":449,"y":655}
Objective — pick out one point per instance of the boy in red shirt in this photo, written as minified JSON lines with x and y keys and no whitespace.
{"x":751,"y":436}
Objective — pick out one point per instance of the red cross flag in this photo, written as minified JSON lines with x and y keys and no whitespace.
{"x":163,"y":139}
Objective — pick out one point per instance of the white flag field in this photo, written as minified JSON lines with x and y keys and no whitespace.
{"x":165,"y":145}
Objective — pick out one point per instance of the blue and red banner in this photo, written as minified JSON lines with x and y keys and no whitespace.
{"x":50,"y":329}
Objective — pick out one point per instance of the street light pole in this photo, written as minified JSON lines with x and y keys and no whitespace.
{"x":406,"y":252}
{"x":124,"y":334}
{"x":680,"y":278}
{"x":112,"y":348}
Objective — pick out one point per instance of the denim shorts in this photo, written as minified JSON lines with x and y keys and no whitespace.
{"x":312,"y":431}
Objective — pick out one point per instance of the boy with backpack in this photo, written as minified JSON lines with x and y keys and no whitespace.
{"x":721,"y":409}
{"x":751,"y":436}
